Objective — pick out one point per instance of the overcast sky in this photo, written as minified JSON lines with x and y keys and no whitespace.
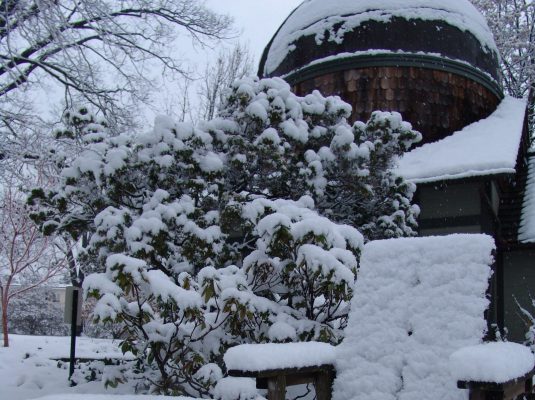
{"x":257,"y":20}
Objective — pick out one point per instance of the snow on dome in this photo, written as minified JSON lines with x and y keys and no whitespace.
{"x":331,"y":20}
{"x":417,"y":300}
{"x":486,"y":147}
{"x":491,"y":362}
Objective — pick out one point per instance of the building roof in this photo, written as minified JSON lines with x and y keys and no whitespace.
{"x":486,"y":147}
{"x":320,"y":32}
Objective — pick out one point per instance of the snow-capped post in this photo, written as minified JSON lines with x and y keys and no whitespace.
{"x":73,"y":313}
{"x":497,"y":370}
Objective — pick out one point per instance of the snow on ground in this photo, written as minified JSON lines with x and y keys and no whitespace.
{"x":486,"y":147}
{"x":319,"y":17}
{"x":526,"y":232}
{"x":416,"y":301}
{"x":492,"y":362}
{"x":28,"y":371}
{"x":107,"y":397}
{"x":258,"y":357}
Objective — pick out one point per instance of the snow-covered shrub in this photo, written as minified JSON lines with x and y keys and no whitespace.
{"x":90,"y":328}
{"x":231,"y":232}
{"x":279,"y":145}
{"x":304,"y":262}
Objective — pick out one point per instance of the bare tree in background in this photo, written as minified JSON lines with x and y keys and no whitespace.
{"x":99,"y":52}
{"x":230,"y":65}
{"x":25,"y":254}
{"x":513,"y":25}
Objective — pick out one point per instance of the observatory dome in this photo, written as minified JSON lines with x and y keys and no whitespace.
{"x":322,"y":35}
{"x":434,"y":61}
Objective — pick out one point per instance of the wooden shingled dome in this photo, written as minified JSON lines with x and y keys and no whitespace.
{"x":436,"y":64}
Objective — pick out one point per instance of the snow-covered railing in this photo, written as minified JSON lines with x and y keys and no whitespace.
{"x":497,"y":371}
{"x":276,"y":366}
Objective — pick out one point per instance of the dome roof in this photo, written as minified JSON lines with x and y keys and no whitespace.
{"x":320,"y":35}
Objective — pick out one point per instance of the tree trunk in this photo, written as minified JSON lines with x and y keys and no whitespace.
{"x":4,"y":323}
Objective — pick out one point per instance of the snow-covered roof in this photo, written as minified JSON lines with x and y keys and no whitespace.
{"x":416,"y":302}
{"x":486,"y":147}
{"x":526,"y":232}
{"x":330,"y":20}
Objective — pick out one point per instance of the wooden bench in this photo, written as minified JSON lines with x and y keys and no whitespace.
{"x":511,"y":390}
{"x":276,"y":380}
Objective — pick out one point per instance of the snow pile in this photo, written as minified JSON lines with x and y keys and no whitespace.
{"x":492,"y":362}
{"x":236,"y":389}
{"x":416,"y":301}
{"x":260,"y":357}
{"x":526,"y":232}
{"x":327,"y":20}
{"x":486,"y":147}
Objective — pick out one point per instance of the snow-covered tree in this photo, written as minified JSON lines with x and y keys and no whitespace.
{"x":513,"y":24}
{"x":24,"y":253}
{"x":37,"y":312}
{"x":218,"y":76}
{"x":280,"y":145}
{"x":202,"y":237}
{"x":98,"y":50}
{"x":304,"y":262}
{"x":150,"y":209}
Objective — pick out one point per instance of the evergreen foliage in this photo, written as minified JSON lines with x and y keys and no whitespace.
{"x":242,"y":229}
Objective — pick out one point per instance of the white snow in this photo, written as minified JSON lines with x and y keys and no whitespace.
{"x":236,"y":389}
{"x":317,"y":17}
{"x":281,"y":331}
{"x":492,"y":362}
{"x":486,"y":147}
{"x":416,"y":301}
{"x":259,"y":357}
{"x":164,"y":288}
{"x":210,"y":162}
{"x":28,"y":368}
{"x":526,"y":232}
{"x":108,"y":397}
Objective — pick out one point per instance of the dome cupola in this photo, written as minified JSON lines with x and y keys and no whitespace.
{"x":435,"y":61}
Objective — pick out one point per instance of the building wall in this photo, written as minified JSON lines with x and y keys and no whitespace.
{"x":453,"y":207}
{"x":437,"y":103}
{"x":518,"y":283}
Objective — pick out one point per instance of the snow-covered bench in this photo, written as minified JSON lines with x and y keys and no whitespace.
{"x":417,"y":301}
{"x":276,"y":366}
{"x":494,"y":370}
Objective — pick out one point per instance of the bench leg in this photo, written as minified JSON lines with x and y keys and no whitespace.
{"x":323,"y":384}
{"x":277,"y":388}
